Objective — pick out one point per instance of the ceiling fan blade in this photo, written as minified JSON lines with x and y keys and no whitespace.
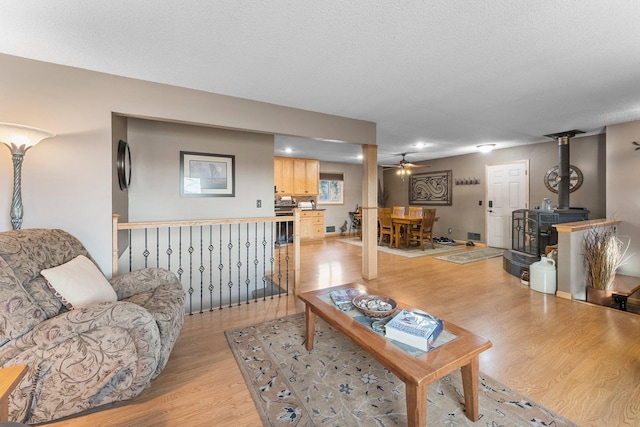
{"x":404,"y":164}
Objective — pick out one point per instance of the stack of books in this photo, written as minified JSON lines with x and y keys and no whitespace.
{"x":419,"y":330}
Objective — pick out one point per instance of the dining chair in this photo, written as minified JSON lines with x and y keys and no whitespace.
{"x":398,"y":210}
{"x":386,"y":225}
{"x":355,"y":225}
{"x":415,"y":211}
{"x":425,"y":230}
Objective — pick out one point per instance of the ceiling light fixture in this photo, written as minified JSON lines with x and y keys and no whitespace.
{"x":328,"y":140}
{"x":19,"y":139}
{"x":485,"y":148}
{"x":288,"y":150}
{"x":403,"y":172}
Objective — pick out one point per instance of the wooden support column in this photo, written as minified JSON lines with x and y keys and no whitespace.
{"x":296,"y":251}
{"x":370,"y":212}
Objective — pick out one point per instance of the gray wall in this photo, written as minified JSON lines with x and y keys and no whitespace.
{"x":155,"y":191}
{"x":465,"y":214}
{"x":68,"y":181}
{"x":336,"y":215}
{"x":623,"y":189}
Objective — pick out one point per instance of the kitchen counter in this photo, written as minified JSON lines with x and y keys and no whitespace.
{"x":290,"y":211}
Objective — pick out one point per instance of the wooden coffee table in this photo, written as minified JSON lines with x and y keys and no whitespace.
{"x":416,"y":372}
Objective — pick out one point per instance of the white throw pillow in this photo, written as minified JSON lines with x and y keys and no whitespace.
{"x":79,"y":283}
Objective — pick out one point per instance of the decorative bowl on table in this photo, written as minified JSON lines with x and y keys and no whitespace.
{"x":377,"y":306}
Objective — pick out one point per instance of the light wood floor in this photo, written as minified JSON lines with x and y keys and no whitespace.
{"x":580,"y":360}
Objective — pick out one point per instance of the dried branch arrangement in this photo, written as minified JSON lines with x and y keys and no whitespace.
{"x":603,"y":254}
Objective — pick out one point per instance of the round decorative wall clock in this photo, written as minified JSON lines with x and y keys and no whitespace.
{"x":551,"y":179}
{"x":123,"y":165}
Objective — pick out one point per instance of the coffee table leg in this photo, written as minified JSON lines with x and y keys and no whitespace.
{"x":416,"y":405}
{"x":310,"y":317}
{"x":470,"y":386}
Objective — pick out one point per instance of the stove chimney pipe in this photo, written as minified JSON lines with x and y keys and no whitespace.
{"x":563,"y":165}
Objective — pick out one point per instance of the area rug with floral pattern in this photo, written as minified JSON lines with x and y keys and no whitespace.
{"x":338,"y":384}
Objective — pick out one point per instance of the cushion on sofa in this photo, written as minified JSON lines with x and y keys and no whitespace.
{"x":79,"y":283}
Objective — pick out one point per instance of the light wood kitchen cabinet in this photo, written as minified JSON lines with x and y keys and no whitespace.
{"x":311,"y":225}
{"x":313,"y":176}
{"x":296,"y":177}
{"x":306,"y":174}
{"x":283,"y":175}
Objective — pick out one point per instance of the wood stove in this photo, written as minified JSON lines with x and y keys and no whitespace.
{"x":532,"y":229}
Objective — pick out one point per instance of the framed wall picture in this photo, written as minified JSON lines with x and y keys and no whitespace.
{"x":431,"y":188}
{"x":207,"y":175}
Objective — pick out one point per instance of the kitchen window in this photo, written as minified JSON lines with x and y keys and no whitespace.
{"x":330,"y":191}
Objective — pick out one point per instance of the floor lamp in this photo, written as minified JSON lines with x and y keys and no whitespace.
{"x":19,"y":139}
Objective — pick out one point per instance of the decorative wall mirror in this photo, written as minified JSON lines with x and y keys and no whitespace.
{"x":123,"y":165}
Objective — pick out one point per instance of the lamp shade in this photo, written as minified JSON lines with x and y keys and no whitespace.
{"x":22,"y":136}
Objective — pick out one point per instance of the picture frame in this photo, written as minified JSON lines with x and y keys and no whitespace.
{"x":330,"y":192}
{"x":207,"y":175}
{"x":431,"y":188}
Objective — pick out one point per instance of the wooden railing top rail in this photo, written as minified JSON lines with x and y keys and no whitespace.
{"x":190,"y":223}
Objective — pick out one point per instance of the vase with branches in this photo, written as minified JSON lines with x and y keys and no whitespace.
{"x":603,"y":253}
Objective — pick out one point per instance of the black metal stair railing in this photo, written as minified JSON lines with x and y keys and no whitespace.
{"x":220,"y":263}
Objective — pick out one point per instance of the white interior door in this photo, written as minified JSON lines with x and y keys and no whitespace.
{"x":507,"y":190}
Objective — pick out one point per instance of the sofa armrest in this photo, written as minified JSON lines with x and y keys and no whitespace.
{"x":143,"y":280}
{"x":83,"y":358}
{"x":69,"y":325}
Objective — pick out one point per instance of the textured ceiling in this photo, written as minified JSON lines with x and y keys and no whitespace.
{"x":449,"y":73}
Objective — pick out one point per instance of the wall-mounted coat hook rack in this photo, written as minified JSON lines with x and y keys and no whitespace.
{"x":467,"y":181}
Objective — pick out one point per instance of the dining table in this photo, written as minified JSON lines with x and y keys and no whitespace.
{"x":398,"y":222}
{"x":405,"y":221}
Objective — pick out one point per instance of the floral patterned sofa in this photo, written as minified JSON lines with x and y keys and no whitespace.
{"x":87,"y":356}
